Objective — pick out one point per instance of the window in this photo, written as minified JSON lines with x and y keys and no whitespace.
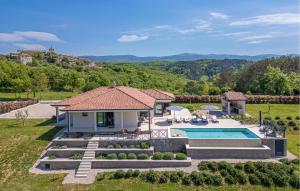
{"x":84,"y":114}
{"x":101,"y":119}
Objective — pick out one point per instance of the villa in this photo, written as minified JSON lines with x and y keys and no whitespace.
{"x":122,"y":120}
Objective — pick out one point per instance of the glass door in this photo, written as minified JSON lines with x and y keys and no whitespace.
{"x":101,"y":119}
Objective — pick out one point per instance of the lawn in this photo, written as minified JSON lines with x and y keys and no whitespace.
{"x":49,"y":95}
{"x":21,"y":146}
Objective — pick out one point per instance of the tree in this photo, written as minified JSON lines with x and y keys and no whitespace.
{"x":22,"y":115}
{"x":39,"y":82}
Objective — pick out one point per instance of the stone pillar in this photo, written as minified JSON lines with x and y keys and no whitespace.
{"x":95,"y":121}
{"x":228,"y":108}
{"x":68,"y":119}
{"x":150,"y":123}
{"x":57,"y":114}
{"x":122,"y":119}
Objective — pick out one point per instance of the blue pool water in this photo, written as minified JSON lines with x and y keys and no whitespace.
{"x":215,"y":133}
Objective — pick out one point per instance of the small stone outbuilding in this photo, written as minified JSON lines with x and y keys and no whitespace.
{"x":234,"y":103}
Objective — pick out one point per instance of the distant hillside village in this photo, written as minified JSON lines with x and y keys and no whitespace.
{"x":33,"y":57}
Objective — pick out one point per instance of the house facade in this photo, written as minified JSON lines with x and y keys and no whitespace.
{"x":109,"y":109}
{"x":234,"y":103}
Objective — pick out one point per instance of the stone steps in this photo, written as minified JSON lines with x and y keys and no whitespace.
{"x":86,"y":164}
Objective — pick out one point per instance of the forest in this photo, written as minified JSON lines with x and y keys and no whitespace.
{"x":277,"y":76}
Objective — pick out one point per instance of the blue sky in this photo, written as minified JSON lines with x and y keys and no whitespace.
{"x":151,"y":28}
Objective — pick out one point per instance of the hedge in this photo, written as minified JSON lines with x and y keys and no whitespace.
{"x":13,"y":105}
{"x":250,"y":99}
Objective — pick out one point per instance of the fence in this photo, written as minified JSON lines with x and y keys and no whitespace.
{"x":13,"y":105}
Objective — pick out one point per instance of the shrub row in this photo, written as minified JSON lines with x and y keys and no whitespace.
{"x":142,"y":145}
{"x":13,"y":105}
{"x":168,"y":156}
{"x":122,"y":156}
{"x":258,"y":99}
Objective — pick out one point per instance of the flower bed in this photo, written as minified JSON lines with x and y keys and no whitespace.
{"x":13,"y":105}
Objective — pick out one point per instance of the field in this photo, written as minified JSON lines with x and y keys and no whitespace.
{"x":21,"y":146}
{"x":41,"y":95}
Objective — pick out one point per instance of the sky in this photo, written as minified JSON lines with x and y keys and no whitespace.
{"x":151,"y":27}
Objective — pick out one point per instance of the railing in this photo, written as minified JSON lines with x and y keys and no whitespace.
{"x":159,"y":134}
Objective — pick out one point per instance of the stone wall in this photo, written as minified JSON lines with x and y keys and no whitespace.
{"x":225,"y":142}
{"x":123,"y":150}
{"x":270,"y":142}
{"x":59,"y":164}
{"x":169,"y":145}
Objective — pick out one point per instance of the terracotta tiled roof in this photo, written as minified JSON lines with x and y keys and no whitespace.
{"x":235,"y":96}
{"x":109,"y":98}
{"x":159,"y":95}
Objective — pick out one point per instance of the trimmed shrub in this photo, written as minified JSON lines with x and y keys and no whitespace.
{"x":253,"y":179}
{"x":135,"y":173}
{"x":180,"y":173}
{"x":239,"y":166}
{"x":284,"y":161}
{"x":265,"y":180}
{"x":117,"y":146}
{"x":168,"y":156}
{"x":229,"y":179}
{"x":100,"y":176}
{"x":213,"y":166}
{"x":281,"y":123}
{"x":129,"y":173}
{"x":217,"y":180}
{"x":142,"y":156}
{"x":249,"y":167}
{"x":186,"y":180}
{"x":223,"y":173}
{"x":208,"y":179}
{"x":137,"y":146}
{"x":268,"y":118}
{"x":131,"y":146}
{"x":223,"y":165}
{"x":296,"y":128}
{"x":131,"y":156}
{"x":277,"y":118}
{"x":145,"y":145}
{"x":112,"y":156}
{"x":151,"y":176}
{"x":119,"y":174}
{"x":180,"y":156}
{"x":76,"y":156}
{"x":198,"y":179}
{"x":297,"y":117}
{"x":124,"y":147}
{"x":280,"y":180}
{"x":51,"y":157}
{"x":292,"y":123}
{"x":110,"y":146}
{"x":288,"y":118}
{"x":194,"y":175}
{"x":241,"y":178}
{"x":122,"y":156}
{"x":167,"y":174}
{"x":157,"y":156}
{"x":295,"y":181}
{"x":163,"y":179}
{"x":174,"y":178}
{"x":203,"y":165}
{"x":296,"y":161}
{"x":233,"y":172}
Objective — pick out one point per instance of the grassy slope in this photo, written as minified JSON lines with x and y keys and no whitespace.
{"x":21,"y":146}
{"x":42,"y":95}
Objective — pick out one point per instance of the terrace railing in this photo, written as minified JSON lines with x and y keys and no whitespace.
{"x":159,"y":134}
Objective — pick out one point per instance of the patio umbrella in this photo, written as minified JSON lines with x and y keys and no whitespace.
{"x":209,"y":107}
{"x":175,"y":108}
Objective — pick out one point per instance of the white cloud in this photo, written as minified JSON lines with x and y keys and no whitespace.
{"x":132,"y":38}
{"x":199,"y":25}
{"x":21,"y":36}
{"x":271,"y":19}
{"x":236,"y":33}
{"x":26,"y":46}
{"x":218,"y":15}
{"x":257,"y":37}
{"x":255,"y":42}
{"x":41,"y":36}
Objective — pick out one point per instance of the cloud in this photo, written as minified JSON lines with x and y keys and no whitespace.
{"x":257,"y":37}
{"x":219,"y":15}
{"x":255,"y":42}
{"x":26,"y":46}
{"x":132,"y":38}
{"x":236,"y":33}
{"x":21,"y":36}
{"x":199,"y":25}
{"x":271,"y":19}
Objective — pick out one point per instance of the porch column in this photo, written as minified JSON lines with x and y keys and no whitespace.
{"x":95,"y":121}
{"x":57,"y":114}
{"x":228,"y":108}
{"x":68,"y":118}
{"x":122,"y":123}
{"x":149,"y":113}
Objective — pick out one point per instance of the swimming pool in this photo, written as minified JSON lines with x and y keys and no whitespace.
{"x":213,"y":133}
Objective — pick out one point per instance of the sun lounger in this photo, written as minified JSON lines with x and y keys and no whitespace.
{"x":204,"y":118}
{"x":178,"y":119}
{"x":214,"y":119}
{"x":186,"y":119}
{"x":170,"y":120}
{"x":195,"y":119}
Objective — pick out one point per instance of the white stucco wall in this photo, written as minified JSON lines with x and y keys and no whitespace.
{"x":117,"y":119}
{"x":130,"y":119}
{"x":80,"y":122}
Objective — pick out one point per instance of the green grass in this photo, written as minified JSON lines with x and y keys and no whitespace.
{"x":50,"y":95}
{"x":21,"y":146}
{"x":196,"y":106}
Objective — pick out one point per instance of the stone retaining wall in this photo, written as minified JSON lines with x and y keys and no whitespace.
{"x":140,"y":163}
{"x":270,"y":142}
{"x":229,"y":152}
{"x":169,"y":145}
{"x":59,"y":164}
{"x":123,"y":150}
{"x":63,"y":153}
{"x":70,"y":143}
{"x":225,"y":142}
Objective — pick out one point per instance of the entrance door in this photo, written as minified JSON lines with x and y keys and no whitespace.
{"x":159,"y":109}
{"x":279,"y":147}
{"x":105,"y":119}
